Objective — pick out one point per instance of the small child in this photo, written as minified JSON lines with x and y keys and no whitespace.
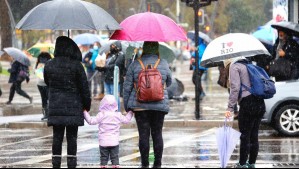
{"x":109,"y":121}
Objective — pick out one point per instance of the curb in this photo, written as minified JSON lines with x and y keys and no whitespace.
{"x":169,"y":124}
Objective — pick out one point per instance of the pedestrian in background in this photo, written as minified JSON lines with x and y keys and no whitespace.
{"x":42,"y":59}
{"x":89,"y":62}
{"x":201,"y":49}
{"x":18,"y":74}
{"x":285,"y":58}
{"x":252,"y":110}
{"x":69,"y":96}
{"x":149,"y":115}
{"x":109,"y":121}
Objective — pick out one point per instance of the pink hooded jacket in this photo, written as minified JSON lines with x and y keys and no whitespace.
{"x":109,"y":121}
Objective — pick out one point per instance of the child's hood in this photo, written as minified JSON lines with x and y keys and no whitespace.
{"x":108,"y":104}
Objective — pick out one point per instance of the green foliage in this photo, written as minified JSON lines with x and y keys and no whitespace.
{"x":245,"y":15}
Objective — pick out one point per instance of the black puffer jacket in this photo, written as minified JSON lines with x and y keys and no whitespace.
{"x":69,"y":93}
{"x":117,"y":59}
{"x":14,"y":71}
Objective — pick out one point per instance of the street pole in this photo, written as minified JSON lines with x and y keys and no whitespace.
{"x":197,"y":92}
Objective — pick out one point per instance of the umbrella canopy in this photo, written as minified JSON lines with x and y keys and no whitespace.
{"x":149,"y":27}
{"x":232,"y":45}
{"x":227,"y":140}
{"x":289,"y":27}
{"x":165,"y":52}
{"x":67,"y":14}
{"x":41,"y":47}
{"x":205,"y":37}
{"x":265,"y":34}
{"x":87,"y":39}
{"x":18,"y":55}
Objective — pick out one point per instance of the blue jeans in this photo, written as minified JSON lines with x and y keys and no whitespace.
{"x":109,"y":88}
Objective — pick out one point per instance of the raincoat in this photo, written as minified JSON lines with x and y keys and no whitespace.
{"x":109,"y":121}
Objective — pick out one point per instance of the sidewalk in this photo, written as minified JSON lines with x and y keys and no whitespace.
{"x":181,"y":113}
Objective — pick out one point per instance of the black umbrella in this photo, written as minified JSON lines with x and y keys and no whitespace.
{"x":288,"y":27}
{"x":68,"y":15}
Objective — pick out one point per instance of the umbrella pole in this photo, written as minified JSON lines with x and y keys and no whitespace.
{"x":197,"y":92}
{"x":68,"y":33}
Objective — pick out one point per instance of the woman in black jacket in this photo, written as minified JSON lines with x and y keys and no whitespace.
{"x":69,"y":96}
{"x":287,"y":49}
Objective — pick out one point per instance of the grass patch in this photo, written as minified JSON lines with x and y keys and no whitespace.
{"x":5,"y":72}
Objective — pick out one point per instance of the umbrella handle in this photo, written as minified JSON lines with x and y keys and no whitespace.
{"x":228,"y":122}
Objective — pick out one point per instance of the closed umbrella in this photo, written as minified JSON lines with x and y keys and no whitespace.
{"x":234,"y":45}
{"x":18,"y":55}
{"x":88,"y":39}
{"x":289,"y":27}
{"x":67,"y":15}
{"x":227,"y":140}
{"x":149,"y":26}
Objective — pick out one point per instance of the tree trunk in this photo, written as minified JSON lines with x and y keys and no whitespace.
{"x":5,"y":25}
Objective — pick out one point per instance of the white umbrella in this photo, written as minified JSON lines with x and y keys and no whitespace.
{"x":232,"y":45}
{"x":227,"y":140}
{"x":18,"y":55}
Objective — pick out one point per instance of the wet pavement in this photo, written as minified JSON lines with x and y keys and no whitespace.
{"x":185,"y":147}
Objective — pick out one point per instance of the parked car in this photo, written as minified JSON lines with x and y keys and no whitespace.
{"x":283,"y":109}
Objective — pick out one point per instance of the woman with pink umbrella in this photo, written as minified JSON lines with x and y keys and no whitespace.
{"x":144,"y":92}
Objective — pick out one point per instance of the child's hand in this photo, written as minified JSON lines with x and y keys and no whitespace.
{"x":85,"y":111}
{"x":131,"y":112}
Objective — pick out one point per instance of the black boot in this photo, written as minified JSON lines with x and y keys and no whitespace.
{"x":46,"y":115}
{"x":56,"y":161}
{"x":71,"y":161}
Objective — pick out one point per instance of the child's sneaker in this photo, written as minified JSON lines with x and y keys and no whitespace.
{"x":115,"y":166}
{"x":103,"y":166}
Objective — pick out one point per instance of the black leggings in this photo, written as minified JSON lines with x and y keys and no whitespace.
{"x":71,"y":136}
{"x":17,"y":87}
{"x":251,"y":113}
{"x":150,"y":123}
{"x":43,"y":90}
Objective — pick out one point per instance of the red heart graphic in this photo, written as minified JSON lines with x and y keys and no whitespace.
{"x":230,"y":44}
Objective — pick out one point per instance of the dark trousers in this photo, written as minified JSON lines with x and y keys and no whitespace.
{"x":109,"y":152}
{"x":201,"y":72}
{"x":150,"y":123}
{"x":251,"y":113}
{"x":71,"y":136}
{"x":44,"y":92}
{"x":17,"y":87}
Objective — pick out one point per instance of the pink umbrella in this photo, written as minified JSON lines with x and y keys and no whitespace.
{"x":149,"y":26}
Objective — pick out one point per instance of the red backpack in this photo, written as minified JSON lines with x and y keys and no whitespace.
{"x":150,"y":87}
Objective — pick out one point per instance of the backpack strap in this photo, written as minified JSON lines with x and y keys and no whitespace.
{"x":141,"y":63}
{"x":157,"y":63}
